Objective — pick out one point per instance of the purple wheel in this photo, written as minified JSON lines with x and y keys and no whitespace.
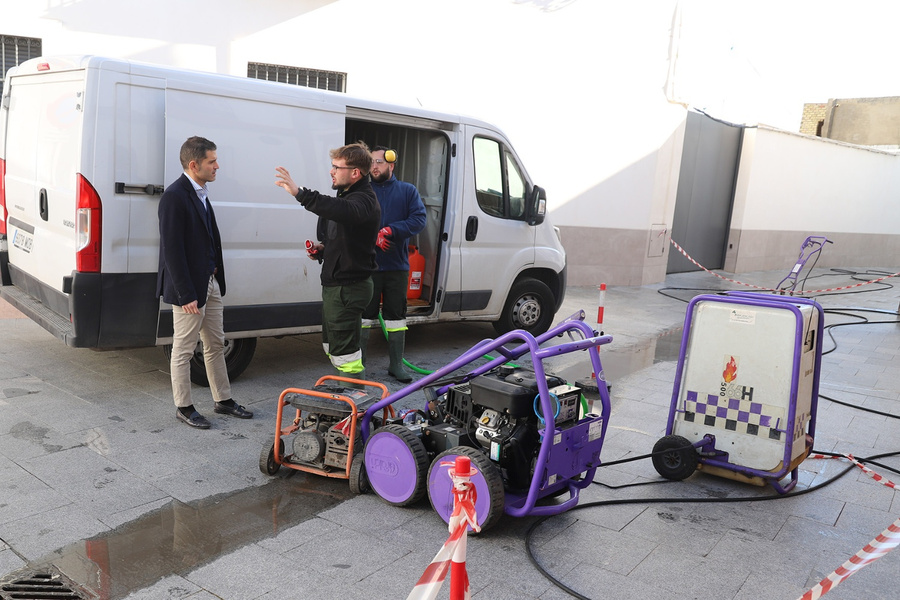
{"x":489,"y":495}
{"x":396,"y":465}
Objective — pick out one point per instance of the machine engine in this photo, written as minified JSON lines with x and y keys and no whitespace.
{"x":323,"y":436}
{"x":498,"y":413}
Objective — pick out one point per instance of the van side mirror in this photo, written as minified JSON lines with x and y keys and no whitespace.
{"x":537,"y":207}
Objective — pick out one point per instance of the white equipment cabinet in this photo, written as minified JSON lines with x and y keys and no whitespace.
{"x":746,"y":389}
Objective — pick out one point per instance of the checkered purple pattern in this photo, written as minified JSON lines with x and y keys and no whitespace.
{"x":742,"y":416}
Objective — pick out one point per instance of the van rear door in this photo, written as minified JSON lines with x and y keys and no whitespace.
{"x":43,"y":141}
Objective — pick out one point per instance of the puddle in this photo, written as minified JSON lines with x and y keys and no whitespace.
{"x":179,"y":537}
{"x":619,"y":362}
{"x":646,"y":353}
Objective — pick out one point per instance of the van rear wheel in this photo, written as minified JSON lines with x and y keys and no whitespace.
{"x":529,"y":306}
{"x":238,"y":354}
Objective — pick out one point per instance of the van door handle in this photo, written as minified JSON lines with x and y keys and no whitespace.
{"x":43,"y":205}
{"x":139,"y":188}
{"x":471,"y":228}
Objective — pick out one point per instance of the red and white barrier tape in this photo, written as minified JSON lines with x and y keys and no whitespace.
{"x":432,"y":579}
{"x":865,"y":469}
{"x":452,"y":555}
{"x":765,"y":289}
{"x":881,"y":545}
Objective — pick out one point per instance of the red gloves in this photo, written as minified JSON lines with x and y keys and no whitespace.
{"x":314,"y":251}
{"x":384,"y":241}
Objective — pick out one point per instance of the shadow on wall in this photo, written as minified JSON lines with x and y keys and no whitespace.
{"x":616,"y":247}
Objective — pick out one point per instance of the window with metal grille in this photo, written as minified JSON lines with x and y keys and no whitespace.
{"x":314,"y":78}
{"x":14,"y":50}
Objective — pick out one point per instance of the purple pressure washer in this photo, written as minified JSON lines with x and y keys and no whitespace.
{"x":811,"y":246}
{"x":497,"y":415}
{"x":746,"y":389}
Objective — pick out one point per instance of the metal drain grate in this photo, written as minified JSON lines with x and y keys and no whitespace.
{"x":39,"y":586}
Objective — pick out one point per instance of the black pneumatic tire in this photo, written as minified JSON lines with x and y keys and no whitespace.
{"x":488,"y":476}
{"x":267,"y":462}
{"x":529,"y":306}
{"x":238,"y":354}
{"x":677,"y":458}
{"x":359,"y":481}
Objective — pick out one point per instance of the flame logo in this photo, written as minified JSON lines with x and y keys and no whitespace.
{"x":730,"y":372}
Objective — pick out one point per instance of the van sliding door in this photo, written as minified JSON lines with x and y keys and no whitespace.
{"x":271,"y":284}
{"x":423,"y":149}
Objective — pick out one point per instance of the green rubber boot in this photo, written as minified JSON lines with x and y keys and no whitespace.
{"x":360,"y":375}
{"x":396,"y":344}
{"x":364,"y":343}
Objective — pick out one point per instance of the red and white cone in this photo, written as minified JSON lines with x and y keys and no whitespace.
{"x":452,"y":555}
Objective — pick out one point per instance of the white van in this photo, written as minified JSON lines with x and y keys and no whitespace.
{"x":87,"y":145}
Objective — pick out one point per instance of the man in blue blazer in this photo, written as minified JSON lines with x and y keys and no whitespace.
{"x":192,"y":279}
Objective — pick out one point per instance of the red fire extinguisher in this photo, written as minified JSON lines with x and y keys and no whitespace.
{"x":416,"y":268}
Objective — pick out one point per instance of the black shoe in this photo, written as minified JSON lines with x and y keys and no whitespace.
{"x":233,"y":409}
{"x":195,"y":420}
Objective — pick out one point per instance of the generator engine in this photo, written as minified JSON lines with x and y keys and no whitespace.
{"x":498,"y":413}
{"x":322,"y":439}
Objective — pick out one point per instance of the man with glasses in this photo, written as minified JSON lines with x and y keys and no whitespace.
{"x":346,"y":231}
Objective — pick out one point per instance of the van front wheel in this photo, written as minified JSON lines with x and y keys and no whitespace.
{"x":238,"y":354}
{"x":529,"y":306}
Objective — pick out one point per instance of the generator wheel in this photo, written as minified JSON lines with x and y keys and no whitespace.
{"x":267,"y":462}
{"x":490,"y":497}
{"x":359,"y":481}
{"x":677,"y":458}
{"x":238,"y":354}
{"x":396,"y":464}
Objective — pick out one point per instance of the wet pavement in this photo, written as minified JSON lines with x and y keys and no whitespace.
{"x":100,"y":483}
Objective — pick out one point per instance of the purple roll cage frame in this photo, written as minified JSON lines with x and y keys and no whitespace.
{"x":588,"y":454}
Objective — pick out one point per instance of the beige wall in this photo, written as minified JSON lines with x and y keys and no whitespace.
{"x":771,"y":250}
{"x":869,"y":121}
{"x":618,"y":231}
{"x":598,"y":255}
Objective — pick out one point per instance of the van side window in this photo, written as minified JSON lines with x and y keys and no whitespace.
{"x":516,"y":188}
{"x":499,"y":185}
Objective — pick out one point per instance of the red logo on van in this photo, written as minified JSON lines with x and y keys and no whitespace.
{"x":730,"y":372}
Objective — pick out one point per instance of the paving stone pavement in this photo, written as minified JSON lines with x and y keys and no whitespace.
{"x":98,"y":481}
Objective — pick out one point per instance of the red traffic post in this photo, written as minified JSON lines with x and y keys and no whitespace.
{"x":600,"y":303}
{"x":462,"y":516}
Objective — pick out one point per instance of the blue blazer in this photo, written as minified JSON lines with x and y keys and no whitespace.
{"x":185,"y":235}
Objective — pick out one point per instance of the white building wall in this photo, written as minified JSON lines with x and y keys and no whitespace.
{"x":579,"y":86}
{"x":791,"y":186}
